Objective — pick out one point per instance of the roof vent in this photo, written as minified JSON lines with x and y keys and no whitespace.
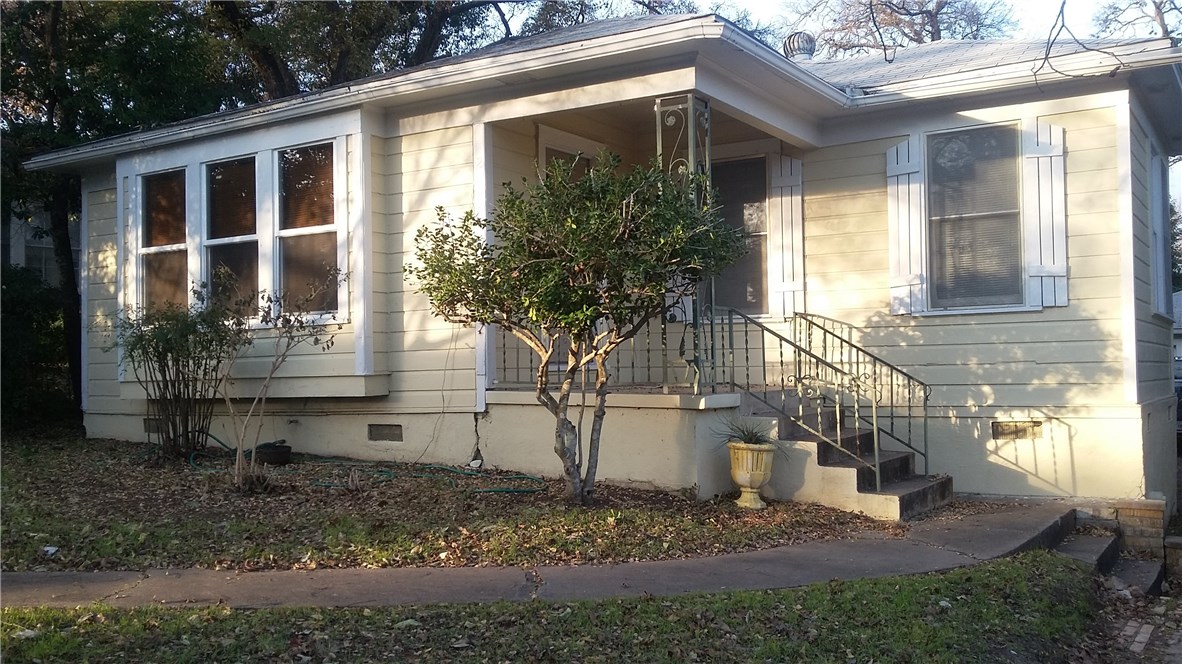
{"x":800,"y":45}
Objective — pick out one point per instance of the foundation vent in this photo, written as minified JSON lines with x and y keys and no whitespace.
{"x":1017,"y":430}
{"x":391,"y":432}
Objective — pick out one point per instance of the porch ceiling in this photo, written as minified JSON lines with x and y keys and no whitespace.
{"x":636,"y":118}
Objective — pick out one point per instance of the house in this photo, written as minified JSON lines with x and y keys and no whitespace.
{"x":965,"y":241}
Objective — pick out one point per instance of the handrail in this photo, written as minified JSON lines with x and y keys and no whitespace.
{"x":812,"y":393}
{"x":903,"y":397}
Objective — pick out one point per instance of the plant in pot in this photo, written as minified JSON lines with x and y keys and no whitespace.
{"x":752,"y":449}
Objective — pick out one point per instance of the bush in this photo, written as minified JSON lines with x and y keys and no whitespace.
{"x":34,"y":369}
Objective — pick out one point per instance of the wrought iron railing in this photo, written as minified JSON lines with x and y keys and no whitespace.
{"x":813,"y":376}
{"x":814,"y":395}
{"x":662,"y":357}
{"x":902,"y":398}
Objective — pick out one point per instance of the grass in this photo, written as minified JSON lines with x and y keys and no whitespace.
{"x":1029,"y":608}
{"x":101,"y":504}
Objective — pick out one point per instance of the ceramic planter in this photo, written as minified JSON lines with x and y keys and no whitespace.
{"x":751,"y":468}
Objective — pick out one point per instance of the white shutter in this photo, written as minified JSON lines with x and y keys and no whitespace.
{"x":785,"y":238}
{"x":1044,"y":208}
{"x":905,"y":228}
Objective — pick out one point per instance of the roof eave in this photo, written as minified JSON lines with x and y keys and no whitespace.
{"x":466,"y":75}
{"x":1089,"y":64}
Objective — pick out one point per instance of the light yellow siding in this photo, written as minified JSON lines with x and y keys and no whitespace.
{"x":1063,"y":365}
{"x":431,"y":362}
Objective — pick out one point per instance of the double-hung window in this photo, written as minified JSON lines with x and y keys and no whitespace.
{"x":273,"y":220}
{"x":163,"y":253}
{"x":977,"y":219}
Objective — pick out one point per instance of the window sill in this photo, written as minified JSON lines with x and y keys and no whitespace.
{"x":975,"y":311}
{"x":1164,"y":318}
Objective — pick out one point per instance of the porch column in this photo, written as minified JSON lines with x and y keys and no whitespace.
{"x":683,"y":147}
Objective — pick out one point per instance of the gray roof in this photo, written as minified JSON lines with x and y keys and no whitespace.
{"x":949,"y":56}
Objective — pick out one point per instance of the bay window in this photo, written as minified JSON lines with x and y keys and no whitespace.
{"x":273,"y":219}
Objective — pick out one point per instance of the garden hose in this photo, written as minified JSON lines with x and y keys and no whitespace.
{"x":381,"y":475}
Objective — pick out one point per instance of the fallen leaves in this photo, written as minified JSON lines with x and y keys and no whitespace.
{"x":101,"y":504}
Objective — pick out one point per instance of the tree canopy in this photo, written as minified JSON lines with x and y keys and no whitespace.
{"x":579,"y":264}
{"x":852,"y":27}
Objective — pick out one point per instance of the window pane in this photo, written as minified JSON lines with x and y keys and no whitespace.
{"x":231,"y":198}
{"x":306,"y":264}
{"x":742,"y":193}
{"x":580,"y":166}
{"x":974,"y":224}
{"x":974,"y":171}
{"x":164,"y":208}
{"x":976,"y":261}
{"x":742,"y":286}
{"x":239,"y":262}
{"x":166,"y":279}
{"x":306,"y":187}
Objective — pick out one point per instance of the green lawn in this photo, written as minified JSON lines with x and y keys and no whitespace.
{"x":1026,"y":609}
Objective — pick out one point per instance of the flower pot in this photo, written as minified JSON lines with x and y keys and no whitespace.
{"x":751,"y":468}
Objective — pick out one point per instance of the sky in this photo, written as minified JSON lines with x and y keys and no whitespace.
{"x":1035,"y":17}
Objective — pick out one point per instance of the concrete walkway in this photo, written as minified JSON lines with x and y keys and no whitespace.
{"x":929,"y":546}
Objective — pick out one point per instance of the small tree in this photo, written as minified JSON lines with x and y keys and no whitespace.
{"x":181,"y":355}
{"x":284,"y":323}
{"x":581,"y":264}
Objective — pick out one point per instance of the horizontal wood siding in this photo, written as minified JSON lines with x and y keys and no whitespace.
{"x":1007,"y":360}
{"x":431,"y":362}
{"x":1153,"y":332}
{"x":102,"y":303}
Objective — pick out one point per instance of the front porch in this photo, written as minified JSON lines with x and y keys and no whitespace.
{"x":853,"y":429}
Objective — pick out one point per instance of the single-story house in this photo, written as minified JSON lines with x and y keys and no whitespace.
{"x":966,"y":239}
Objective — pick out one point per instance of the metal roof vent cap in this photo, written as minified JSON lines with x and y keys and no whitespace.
{"x":800,"y":45}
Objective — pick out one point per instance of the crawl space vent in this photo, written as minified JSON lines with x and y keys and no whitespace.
{"x":1017,"y":430}
{"x":391,"y":432}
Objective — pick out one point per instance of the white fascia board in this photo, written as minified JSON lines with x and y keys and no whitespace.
{"x":790,"y":72}
{"x":762,"y":111}
{"x":1089,"y":64}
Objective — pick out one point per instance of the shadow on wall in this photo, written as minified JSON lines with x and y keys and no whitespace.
{"x":1058,"y":381}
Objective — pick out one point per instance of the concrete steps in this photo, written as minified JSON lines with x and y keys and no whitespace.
{"x":1102,"y":554}
{"x":810,"y":469}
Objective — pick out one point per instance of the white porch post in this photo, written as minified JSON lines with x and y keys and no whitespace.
{"x":482,"y":207}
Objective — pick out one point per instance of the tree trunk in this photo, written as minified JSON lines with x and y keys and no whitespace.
{"x":59,"y":229}
{"x":601,"y":393}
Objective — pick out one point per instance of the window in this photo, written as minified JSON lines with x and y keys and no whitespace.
{"x":307,"y":231}
{"x":977,"y":220}
{"x":273,"y":219}
{"x":232,"y":241}
{"x":974,"y":220}
{"x":163,"y":268}
{"x":742,"y":193}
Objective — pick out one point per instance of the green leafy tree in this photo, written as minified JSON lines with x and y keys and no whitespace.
{"x":80,"y":71}
{"x":581,"y":264}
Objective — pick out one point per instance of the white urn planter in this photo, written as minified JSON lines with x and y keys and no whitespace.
{"x":751,"y":468}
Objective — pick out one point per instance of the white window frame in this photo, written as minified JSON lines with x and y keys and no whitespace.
{"x":564,"y":141}
{"x":1042,"y":174}
{"x":1159,"y":225}
{"x":265,"y":146}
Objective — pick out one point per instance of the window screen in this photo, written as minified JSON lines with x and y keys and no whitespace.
{"x":742,"y":193}
{"x":974,"y":221}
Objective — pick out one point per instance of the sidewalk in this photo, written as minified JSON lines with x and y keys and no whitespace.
{"x":929,"y":546}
